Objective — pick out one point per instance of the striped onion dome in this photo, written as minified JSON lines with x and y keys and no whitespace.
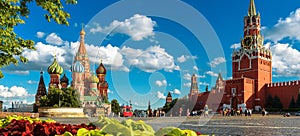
{"x":101,"y":69}
{"x":94,"y":79}
{"x":77,"y":67}
{"x":55,"y":68}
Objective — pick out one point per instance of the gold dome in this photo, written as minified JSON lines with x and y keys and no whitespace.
{"x":101,"y":69}
{"x":94,"y":79}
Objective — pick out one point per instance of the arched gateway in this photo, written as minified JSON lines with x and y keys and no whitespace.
{"x":234,"y":103}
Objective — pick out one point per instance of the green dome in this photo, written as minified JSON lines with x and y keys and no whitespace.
{"x":94,"y":79}
{"x":55,"y":68}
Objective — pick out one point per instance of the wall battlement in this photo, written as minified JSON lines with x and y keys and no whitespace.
{"x":281,"y":84}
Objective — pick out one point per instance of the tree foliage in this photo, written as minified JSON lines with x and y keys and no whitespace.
{"x":67,"y":97}
{"x":13,"y":13}
{"x":292,"y":103}
{"x":277,"y":103}
{"x":298,"y":101}
{"x":115,"y":106}
{"x":269,"y":102}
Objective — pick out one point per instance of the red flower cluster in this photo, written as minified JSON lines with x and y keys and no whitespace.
{"x":25,"y":128}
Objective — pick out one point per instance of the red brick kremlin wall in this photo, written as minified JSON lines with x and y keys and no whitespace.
{"x":284,"y":90}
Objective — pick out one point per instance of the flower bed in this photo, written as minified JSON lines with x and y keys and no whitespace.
{"x":26,"y":126}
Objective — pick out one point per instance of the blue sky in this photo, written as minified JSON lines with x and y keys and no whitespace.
{"x":152,"y":47}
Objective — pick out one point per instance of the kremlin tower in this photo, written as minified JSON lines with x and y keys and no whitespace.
{"x":169,"y":98}
{"x":41,"y":91}
{"x":251,"y":84}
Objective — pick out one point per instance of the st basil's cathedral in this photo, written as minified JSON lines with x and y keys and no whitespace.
{"x":92,"y":88}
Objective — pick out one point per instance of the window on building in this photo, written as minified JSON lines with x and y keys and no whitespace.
{"x":233,"y":91}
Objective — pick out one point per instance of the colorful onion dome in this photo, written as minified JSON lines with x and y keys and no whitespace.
{"x":77,"y":67}
{"x":94,"y":79}
{"x":55,"y":68}
{"x":64,"y":79}
{"x":101,"y":69}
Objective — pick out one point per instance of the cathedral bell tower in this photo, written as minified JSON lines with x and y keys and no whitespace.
{"x":102,"y":85}
{"x":253,"y":60}
{"x":41,"y":91}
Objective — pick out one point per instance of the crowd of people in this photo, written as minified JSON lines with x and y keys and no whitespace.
{"x":233,"y":112}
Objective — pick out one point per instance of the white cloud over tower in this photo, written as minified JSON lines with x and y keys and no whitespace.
{"x":138,"y":27}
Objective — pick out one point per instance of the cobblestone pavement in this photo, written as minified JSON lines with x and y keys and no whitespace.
{"x":256,"y":125}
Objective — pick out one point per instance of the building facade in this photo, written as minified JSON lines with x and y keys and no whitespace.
{"x":92,"y":88}
{"x":251,"y":82}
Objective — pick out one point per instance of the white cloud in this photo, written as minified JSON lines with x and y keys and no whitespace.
{"x":286,"y":60}
{"x":195,"y":68}
{"x":181,"y":59}
{"x":176,"y":91}
{"x":187,"y":84}
{"x":13,"y":92}
{"x":217,"y":61}
{"x":161,"y":83}
{"x":20,"y":72}
{"x":160,"y":95}
{"x":137,"y":27}
{"x":285,"y":28}
{"x":40,"y":34}
{"x":201,"y":76}
{"x":203,"y":83}
{"x":109,"y":91}
{"x":53,"y":38}
{"x":235,"y":46}
{"x":42,"y":57}
{"x":184,"y":58}
{"x":32,"y":82}
{"x":152,"y":59}
{"x":187,"y":76}
{"x":211,"y":73}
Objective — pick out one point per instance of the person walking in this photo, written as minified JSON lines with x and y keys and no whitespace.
{"x":206,"y":111}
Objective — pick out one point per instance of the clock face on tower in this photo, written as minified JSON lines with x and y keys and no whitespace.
{"x":247,"y":42}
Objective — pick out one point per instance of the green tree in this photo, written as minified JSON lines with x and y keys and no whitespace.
{"x":13,"y":13}
{"x":292,"y":103}
{"x":298,"y":101}
{"x":115,"y":106}
{"x":269,"y":102}
{"x":277,"y":103}
{"x":61,"y":98}
{"x":168,"y":106}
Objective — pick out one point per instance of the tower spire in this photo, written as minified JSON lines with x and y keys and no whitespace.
{"x":82,"y":48}
{"x":251,"y":10}
{"x":41,"y":91}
